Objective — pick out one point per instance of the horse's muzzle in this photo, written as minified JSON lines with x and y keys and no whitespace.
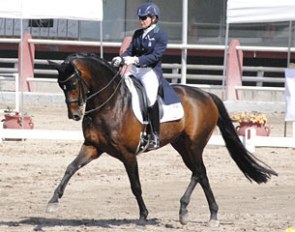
{"x":75,"y":113}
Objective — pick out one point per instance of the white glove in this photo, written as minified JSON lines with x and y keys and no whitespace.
{"x":131,"y":60}
{"x":116,"y":61}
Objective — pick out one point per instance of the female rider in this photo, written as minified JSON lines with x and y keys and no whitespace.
{"x":145,"y":54}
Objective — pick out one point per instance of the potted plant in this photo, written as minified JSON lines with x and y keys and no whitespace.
{"x":17,"y":120}
{"x":252,"y":119}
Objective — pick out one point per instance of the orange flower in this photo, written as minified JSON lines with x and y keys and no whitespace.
{"x":254,"y":117}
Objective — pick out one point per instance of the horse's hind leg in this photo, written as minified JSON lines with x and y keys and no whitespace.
{"x":193,"y":160}
{"x":86,"y":154}
{"x":185,"y":199}
{"x":204,"y":181}
{"x":199,"y":176}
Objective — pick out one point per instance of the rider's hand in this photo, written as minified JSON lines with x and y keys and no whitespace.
{"x":131,"y":60}
{"x":117,"y":61}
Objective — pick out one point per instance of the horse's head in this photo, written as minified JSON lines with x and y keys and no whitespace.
{"x":85,"y":77}
{"x":73,"y":86}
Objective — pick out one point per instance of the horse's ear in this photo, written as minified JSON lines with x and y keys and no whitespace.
{"x":54,"y":64}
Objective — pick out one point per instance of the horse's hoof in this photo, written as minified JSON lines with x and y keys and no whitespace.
{"x":52,"y":207}
{"x":183,"y":219}
{"x":213,"y":223}
{"x":142,"y":222}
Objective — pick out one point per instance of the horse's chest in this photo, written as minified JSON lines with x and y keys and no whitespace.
{"x":99,"y":131}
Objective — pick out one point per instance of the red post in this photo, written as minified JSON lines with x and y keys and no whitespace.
{"x":234,"y":69}
{"x":124,"y":46}
{"x":26,"y":57}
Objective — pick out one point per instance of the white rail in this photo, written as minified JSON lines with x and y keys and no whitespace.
{"x":118,"y":44}
{"x":9,"y":40}
{"x":40,"y":134}
{"x":277,"y":89}
{"x":47,"y":80}
{"x":259,"y":141}
{"x":170,"y":45}
{"x":265,"y":49}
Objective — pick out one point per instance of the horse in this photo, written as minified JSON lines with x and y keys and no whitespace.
{"x":96,"y":92}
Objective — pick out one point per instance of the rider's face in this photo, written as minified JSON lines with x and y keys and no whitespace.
{"x":145,"y":21}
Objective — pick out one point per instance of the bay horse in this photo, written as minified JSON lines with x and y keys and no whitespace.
{"x":96,"y":91}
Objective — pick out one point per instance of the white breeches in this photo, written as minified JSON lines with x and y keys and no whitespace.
{"x":149,"y":80}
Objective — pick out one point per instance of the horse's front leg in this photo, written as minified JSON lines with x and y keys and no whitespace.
{"x":132,"y":170}
{"x":86,"y":155}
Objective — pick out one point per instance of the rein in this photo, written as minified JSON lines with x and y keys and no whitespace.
{"x":99,"y":91}
{"x":109,"y":98}
{"x":102,"y":89}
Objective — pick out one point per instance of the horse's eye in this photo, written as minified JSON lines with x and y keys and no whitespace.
{"x":72,"y":85}
{"x":68,"y":86}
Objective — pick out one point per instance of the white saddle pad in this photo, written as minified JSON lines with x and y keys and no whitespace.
{"x":171,"y":112}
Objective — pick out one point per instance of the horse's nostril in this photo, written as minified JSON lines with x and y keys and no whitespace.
{"x":76,"y":117}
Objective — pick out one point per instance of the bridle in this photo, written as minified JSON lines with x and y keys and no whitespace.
{"x":81,"y":99}
{"x":82,"y":96}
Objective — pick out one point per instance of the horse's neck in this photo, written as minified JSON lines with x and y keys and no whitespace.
{"x":108,"y":90}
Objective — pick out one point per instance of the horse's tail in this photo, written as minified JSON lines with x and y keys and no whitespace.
{"x":253,"y":168}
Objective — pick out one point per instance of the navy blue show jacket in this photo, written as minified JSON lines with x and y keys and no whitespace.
{"x":149,"y":49}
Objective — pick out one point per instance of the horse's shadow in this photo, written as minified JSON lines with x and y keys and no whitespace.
{"x":41,"y":222}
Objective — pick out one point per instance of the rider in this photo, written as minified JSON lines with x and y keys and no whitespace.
{"x":145,"y":54}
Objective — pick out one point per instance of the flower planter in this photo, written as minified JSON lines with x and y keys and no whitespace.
{"x":15,"y":121}
{"x":261,"y":129}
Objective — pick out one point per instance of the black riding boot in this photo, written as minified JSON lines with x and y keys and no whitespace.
{"x":154,"y":116}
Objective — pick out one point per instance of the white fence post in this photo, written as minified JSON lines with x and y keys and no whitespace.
{"x":249,"y":139}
